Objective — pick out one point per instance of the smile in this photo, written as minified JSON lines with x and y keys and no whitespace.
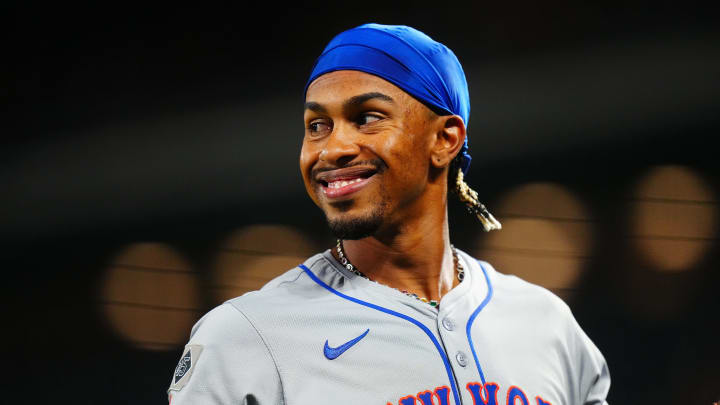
{"x":343,"y":182}
{"x":342,"y":188}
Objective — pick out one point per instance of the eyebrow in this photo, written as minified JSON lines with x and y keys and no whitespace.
{"x":350,"y":103}
{"x":356,"y":101}
{"x":313,"y":106}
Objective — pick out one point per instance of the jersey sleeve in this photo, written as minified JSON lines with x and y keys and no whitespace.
{"x":591,"y":368}
{"x":225,"y":362}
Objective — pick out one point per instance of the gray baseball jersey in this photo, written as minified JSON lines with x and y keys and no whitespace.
{"x":319,"y":334}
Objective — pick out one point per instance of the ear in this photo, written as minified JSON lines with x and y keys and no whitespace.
{"x":449,"y":139}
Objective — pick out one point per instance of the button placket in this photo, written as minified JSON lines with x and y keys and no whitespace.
{"x":461,"y":359}
{"x":448,"y":324}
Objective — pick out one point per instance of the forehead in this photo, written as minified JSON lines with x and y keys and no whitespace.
{"x":341,"y":84}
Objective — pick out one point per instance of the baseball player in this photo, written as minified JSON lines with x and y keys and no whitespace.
{"x":392,"y":313}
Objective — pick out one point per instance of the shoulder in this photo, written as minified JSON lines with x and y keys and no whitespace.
{"x":518,"y":289}
{"x":224,"y":322}
{"x":303,"y":285}
{"x":234,"y":313}
{"x":220,"y":341}
{"x":523,"y":303}
{"x":513,"y":295}
{"x":554,"y":329}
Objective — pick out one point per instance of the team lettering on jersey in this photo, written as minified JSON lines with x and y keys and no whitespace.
{"x":481,"y":395}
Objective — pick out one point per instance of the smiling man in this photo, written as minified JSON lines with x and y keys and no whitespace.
{"x":393,"y":313}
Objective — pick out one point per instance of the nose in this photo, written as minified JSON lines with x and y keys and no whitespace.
{"x":341,"y":147}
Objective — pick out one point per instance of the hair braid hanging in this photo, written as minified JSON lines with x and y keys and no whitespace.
{"x":469,"y":197}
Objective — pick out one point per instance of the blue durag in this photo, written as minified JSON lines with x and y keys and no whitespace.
{"x":407,"y":58}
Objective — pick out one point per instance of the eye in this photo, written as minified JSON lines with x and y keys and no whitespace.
{"x":367,"y":118}
{"x":319,"y":127}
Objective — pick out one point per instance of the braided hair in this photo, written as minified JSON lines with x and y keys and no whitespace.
{"x":469,"y":197}
{"x":457,"y":185}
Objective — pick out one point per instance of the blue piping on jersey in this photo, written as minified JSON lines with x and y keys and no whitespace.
{"x":472,"y":318}
{"x":424,"y":328}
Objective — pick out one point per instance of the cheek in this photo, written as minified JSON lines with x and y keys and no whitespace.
{"x":305,"y":170}
{"x":404,"y":158}
{"x":308,"y":157}
{"x":406,"y":151}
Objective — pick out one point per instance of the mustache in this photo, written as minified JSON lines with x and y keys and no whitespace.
{"x":378,"y":164}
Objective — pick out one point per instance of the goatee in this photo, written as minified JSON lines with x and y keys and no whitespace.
{"x":355,"y":228}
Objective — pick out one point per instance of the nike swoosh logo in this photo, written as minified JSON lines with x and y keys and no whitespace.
{"x":333,"y":353}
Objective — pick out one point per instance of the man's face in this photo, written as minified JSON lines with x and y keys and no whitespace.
{"x":366,"y":153}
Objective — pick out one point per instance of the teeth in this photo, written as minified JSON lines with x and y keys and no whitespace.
{"x":343,"y":183}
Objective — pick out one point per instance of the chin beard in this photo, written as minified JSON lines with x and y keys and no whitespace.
{"x":356,"y":228}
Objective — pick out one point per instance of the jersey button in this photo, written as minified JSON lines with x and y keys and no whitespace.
{"x":448,"y":324}
{"x":461,"y":359}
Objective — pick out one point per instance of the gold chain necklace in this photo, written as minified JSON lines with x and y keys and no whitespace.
{"x":346,"y":262}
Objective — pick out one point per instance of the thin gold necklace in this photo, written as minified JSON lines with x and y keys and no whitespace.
{"x":433,"y":303}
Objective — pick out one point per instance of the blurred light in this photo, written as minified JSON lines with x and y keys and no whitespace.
{"x":545,"y":237}
{"x":254,"y":255}
{"x":151,"y":296}
{"x":674,"y":218}
{"x":543,"y":200}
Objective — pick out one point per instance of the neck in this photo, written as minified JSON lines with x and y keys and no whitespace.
{"x":417,"y":259}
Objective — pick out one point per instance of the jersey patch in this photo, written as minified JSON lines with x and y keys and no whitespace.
{"x":183,"y":371}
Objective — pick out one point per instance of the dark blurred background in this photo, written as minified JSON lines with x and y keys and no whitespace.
{"x":148,"y":171}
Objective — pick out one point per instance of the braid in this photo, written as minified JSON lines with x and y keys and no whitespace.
{"x":469,"y":197}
